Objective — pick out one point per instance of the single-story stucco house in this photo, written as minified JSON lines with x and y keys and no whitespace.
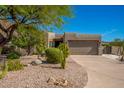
{"x":79,"y":44}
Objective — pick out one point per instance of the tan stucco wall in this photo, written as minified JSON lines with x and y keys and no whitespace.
{"x":116,"y":50}
{"x":100,"y":49}
{"x":50,"y":37}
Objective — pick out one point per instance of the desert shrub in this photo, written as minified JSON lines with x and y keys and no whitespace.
{"x":54,"y":55}
{"x":35,"y":53}
{"x":14,"y":65}
{"x":40,"y":48}
{"x":4,"y":72}
{"x":65,"y":49}
{"x":63,"y":64}
{"x":13,"y":55}
{"x":1,"y":50}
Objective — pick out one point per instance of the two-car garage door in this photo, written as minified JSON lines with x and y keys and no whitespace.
{"x":83,"y":47}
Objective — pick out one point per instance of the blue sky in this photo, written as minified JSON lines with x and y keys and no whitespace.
{"x":105,"y":20}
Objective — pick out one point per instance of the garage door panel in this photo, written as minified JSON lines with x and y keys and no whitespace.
{"x":83,"y":47}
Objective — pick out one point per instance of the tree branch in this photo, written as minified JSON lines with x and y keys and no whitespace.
{"x":8,"y":18}
{"x":32,"y":23}
{"x":1,"y":10}
{"x":13,"y":16}
{"x":23,"y":19}
{"x":2,"y":28}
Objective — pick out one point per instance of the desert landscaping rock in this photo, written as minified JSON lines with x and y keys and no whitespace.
{"x":36,"y":62}
{"x":37,"y":76}
{"x":51,"y":80}
{"x":58,"y":82}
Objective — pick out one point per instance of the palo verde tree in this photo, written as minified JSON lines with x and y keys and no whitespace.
{"x":28,"y":38}
{"x":16,"y":16}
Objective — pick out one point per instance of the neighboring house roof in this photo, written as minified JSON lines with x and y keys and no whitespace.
{"x":58,"y":35}
{"x":74,"y":36}
{"x":104,"y":42}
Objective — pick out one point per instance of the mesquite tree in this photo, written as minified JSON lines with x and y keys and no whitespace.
{"x":43,"y":16}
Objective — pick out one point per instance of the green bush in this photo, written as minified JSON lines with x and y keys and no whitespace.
{"x":1,"y":49}
{"x":13,"y":55}
{"x":65,"y":49}
{"x":4,"y":72}
{"x":54,"y":55}
{"x":14,"y":65}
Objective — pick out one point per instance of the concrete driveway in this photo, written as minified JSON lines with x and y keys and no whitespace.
{"x":102,"y":72}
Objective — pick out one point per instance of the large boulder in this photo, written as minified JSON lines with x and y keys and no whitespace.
{"x":36,"y":62}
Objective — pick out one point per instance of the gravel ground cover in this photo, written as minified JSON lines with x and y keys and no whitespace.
{"x":37,"y":76}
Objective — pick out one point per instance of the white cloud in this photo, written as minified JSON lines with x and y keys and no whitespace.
{"x":109,"y":32}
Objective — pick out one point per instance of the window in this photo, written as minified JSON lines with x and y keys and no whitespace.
{"x":51,"y":44}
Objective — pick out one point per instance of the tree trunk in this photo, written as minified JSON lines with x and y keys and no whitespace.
{"x":119,"y":50}
{"x":29,"y":50}
{"x":122,"y":57}
{"x":9,"y":33}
